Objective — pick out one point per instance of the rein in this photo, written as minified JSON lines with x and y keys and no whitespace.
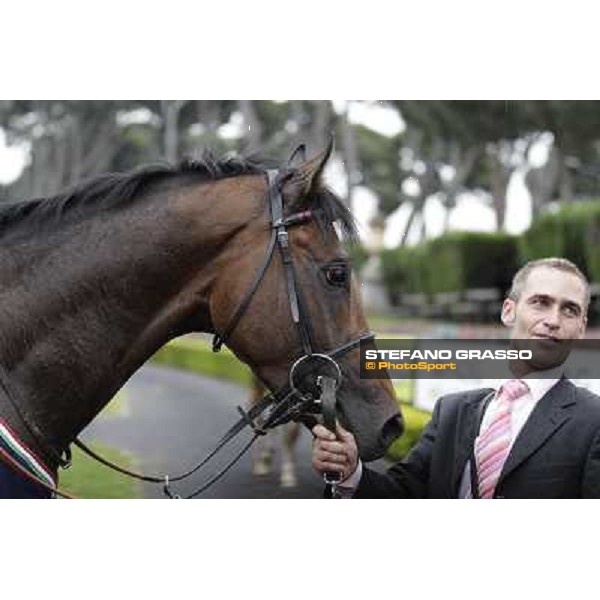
{"x":286,"y":404}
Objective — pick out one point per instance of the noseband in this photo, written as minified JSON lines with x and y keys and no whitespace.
{"x":288,"y":402}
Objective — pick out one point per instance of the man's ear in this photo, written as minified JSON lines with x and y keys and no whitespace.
{"x":305,"y":178}
{"x":508,"y":312}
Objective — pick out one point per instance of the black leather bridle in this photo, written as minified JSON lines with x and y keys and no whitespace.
{"x":300,"y":317}
{"x":289,"y":402}
{"x":295,"y":402}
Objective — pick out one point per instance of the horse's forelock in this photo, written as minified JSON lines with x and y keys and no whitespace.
{"x":330,"y":210}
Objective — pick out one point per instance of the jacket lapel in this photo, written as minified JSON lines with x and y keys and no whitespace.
{"x":549,"y":414}
{"x":466,"y":432}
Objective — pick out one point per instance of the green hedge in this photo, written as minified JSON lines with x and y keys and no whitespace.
{"x":405,"y":271}
{"x":358,"y":255}
{"x":454,"y":262}
{"x":592,"y":244}
{"x":463,"y":260}
{"x":543,"y":238}
{"x":572,"y":231}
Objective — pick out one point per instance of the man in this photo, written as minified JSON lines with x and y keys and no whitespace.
{"x":532,"y":438}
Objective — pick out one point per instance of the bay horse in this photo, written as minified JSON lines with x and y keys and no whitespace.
{"x":95,"y":280}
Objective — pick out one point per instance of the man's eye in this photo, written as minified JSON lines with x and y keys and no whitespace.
{"x":337,"y":275}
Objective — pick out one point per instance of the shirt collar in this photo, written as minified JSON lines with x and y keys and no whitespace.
{"x":539,"y":382}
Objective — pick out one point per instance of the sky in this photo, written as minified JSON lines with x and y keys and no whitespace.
{"x":471,"y":212}
{"x":12,"y":160}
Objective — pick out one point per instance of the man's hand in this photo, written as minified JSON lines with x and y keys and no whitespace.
{"x":334,"y":454}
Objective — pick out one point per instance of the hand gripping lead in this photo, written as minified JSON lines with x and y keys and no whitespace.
{"x":327,"y":400}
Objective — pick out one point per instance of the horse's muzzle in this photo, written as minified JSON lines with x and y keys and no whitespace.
{"x":392,"y":429}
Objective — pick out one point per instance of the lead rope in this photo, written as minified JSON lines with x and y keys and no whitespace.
{"x":327,"y":401}
{"x":327,"y":404}
{"x":248,"y":419}
{"x":281,"y":413}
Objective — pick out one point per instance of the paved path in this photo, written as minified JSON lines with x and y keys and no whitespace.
{"x":174,"y":418}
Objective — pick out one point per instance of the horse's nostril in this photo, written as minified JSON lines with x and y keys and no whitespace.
{"x":391,"y":430}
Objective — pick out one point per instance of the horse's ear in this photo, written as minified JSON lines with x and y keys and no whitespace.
{"x":305,"y":178}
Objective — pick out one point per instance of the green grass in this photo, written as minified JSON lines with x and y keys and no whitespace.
{"x":383,"y":322}
{"x":414,"y":422}
{"x":89,"y":479}
{"x":118,"y":406}
{"x":404,"y":389}
{"x":196,"y":355}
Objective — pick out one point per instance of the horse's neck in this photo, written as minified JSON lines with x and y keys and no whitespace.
{"x":96,"y":300}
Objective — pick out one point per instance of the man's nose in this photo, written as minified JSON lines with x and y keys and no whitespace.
{"x":552,"y":318}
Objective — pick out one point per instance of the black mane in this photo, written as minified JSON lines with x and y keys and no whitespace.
{"x":113,"y":190}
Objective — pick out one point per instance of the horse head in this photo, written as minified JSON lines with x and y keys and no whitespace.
{"x":273,"y":312}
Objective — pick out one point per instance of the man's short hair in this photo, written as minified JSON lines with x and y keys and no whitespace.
{"x":560,"y":264}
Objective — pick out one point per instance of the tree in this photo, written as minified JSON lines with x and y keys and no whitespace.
{"x":474,"y":141}
{"x":572,"y":169}
{"x":69,"y":140}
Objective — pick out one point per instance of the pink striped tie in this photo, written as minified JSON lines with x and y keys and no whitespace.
{"x":493,"y":445}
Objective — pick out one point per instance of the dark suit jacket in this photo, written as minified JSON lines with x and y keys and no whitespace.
{"x":555,"y":455}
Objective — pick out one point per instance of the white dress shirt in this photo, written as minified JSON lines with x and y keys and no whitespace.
{"x":521,"y":409}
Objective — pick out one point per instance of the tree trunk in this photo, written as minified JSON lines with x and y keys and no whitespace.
{"x":542,"y":183}
{"x":298,"y":115}
{"x":499,"y":178}
{"x":320,"y":125}
{"x":61,"y":159}
{"x":463,"y":162}
{"x":76,"y":138}
{"x":254,"y":132}
{"x":409,"y":223}
{"x":170,"y":113}
{"x":102,"y":146}
{"x":351,"y":157}
{"x":209,"y":114}
{"x":567,"y":185}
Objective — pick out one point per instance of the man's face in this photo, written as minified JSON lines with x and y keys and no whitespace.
{"x":550,"y":309}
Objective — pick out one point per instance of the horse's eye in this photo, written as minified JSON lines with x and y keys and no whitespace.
{"x":337,"y":275}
